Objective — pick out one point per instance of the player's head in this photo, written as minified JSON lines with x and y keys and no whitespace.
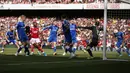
{"x":71,"y":21}
{"x":23,"y":17}
{"x":115,"y":30}
{"x":34,"y":24}
{"x":11,"y":28}
{"x":65,"y":22}
{"x":97,"y":23}
{"x":54,"y":22}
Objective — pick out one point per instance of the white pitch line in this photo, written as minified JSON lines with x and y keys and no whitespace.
{"x":116,"y":60}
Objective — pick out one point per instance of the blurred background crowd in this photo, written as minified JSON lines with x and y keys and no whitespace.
{"x":54,"y":1}
{"x":120,"y":24}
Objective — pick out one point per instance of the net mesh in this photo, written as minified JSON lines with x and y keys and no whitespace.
{"x":123,"y":14}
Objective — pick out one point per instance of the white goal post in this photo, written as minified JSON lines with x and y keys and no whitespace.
{"x":105,"y":26}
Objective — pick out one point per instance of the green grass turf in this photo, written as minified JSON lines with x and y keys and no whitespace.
{"x":61,"y":64}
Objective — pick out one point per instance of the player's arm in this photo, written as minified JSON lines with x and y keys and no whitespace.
{"x":48,"y":27}
{"x":16,"y":35}
{"x":17,"y":25}
{"x":40,"y":34}
{"x":100,"y":29}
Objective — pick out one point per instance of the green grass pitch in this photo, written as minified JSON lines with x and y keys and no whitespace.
{"x":61,"y":64}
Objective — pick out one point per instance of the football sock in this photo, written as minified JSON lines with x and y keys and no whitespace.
{"x":32,"y":48}
{"x":119,"y":51}
{"x":20,"y":48}
{"x":127,"y":51}
{"x":70,"y":50}
{"x":43,"y":45}
{"x":2,"y":48}
{"x":74,"y":49}
{"x":26,"y":50}
{"x":54,"y":49}
{"x":90,"y":52}
{"x":63,"y":47}
{"x":66,"y":50}
{"x":40,"y":49}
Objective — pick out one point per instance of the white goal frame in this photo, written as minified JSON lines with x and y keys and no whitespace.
{"x":105,"y":26}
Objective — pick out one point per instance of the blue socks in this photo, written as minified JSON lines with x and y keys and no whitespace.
{"x":54,"y":49}
{"x":119,"y":51}
{"x":43,"y":45}
{"x":127,"y":51}
{"x":74,"y":49}
{"x":70,"y":50}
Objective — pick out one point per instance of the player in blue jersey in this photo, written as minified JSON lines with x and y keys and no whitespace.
{"x":10,"y":37}
{"x":68,"y":39}
{"x":22,"y":35}
{"x":53,"y":35}
{"x":73,"y":35}
{"x":120,"y":39}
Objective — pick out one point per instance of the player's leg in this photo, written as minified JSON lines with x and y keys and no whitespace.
{"x":72,"y":54}
{"x":20,"y":48}
{"x":43,"y":44}
{"x":32,"y":49}
{"x":89,"y":49}
{"x":26,"y":46}
{"x":126,"y":50}
{"x":64,"y":49}
{"x":74,"y":47}
{"x":32,"y":45}
{"x":16,"y":44}
{"x":67,"y":48}
{"x":54,"y":48}
{"x":38,"y":45}
{"x":79,"y":46}
{"x":40,"y":49}
{"x":118,"y":49}
{"x":83,"y":49}
{"x":51,"y":40}
{"x":3,"y":45}
{"x":94,"y":43}
{"x":74,"y":41}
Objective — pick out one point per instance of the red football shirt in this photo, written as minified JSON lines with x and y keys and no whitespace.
{"x":84,"y":43}
{"x":34,"y":32}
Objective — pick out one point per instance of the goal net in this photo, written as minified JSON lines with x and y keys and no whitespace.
{"x":113,"y":48}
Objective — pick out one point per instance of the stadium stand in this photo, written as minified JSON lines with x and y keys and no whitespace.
{"x":53,"y":1}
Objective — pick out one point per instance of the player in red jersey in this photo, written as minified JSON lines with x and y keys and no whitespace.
{"x":83,"y":43}
{"x":35,"y":39}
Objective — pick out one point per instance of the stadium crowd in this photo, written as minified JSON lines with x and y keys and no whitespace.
{"x":120,"y":24}
{"x":53,"y":1}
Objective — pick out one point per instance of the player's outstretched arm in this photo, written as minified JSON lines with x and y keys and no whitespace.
{"x":48,"y":27}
